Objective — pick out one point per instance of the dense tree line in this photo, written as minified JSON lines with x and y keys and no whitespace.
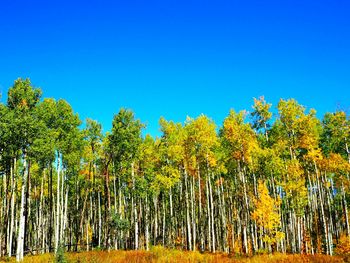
{"x":260,"y":182}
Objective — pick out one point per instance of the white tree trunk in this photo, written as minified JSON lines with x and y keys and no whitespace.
{"x":135,"y":209}
{"x":147,"y":225}
{"x":212,"y":215}
{"x":189,"y":238}
{"x":13,"y":186}
{"x":21,"y":231}
{"x":57,"y":226}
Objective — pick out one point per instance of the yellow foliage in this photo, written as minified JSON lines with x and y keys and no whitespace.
{"x":343,"y":246}
{"x":335,"y":163}
{"x":266,"y":214}
{"x":315,"y":155}
{"x":241,"y":137}
{"x":294,"y":185}
{"x":161,"y":254}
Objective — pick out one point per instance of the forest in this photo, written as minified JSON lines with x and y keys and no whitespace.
{"x":267,"y":180}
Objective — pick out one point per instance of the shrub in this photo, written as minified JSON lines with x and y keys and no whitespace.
{"x":60,"y":257}
{"x":343,"y":246}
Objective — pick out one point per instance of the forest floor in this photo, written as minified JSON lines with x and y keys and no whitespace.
{"x":159,"y":254}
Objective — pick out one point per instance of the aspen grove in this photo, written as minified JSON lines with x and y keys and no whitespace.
{"x":268,"y":179}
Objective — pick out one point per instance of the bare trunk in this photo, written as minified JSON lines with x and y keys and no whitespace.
{"x":13,"y":197}
{"x":57,"y":226}
{"x":135,"y":209}
{"x":189,"y":238}
{"x":21,"y":232}
{"x":212,"y":215}
{"x":147,"y":224}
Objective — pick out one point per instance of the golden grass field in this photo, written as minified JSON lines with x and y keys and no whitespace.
{"x":159,"y":254}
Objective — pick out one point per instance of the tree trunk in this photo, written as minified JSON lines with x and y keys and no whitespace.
{"x":13,"y":199}
{"x":57,"y":225}
{"x":21,"y":232}
{"x":136,"y":224}
{"x":189,"y":238}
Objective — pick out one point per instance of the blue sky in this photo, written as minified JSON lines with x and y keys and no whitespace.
{"x":178,"y":58}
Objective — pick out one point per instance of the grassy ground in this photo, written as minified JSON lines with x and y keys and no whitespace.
{"x":159,"y":254}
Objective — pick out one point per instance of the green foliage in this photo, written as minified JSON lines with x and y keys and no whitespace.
{"x":217,"y":189}
{"x":60,"y":256}
{"x":294,"y":186}
{"x":125,"y":137}
{"x":117,"y":223}
{"x":239,"y":137}
{"x":336,"y":133}
{"x":261,"y":115}
{"x":22,"y":97}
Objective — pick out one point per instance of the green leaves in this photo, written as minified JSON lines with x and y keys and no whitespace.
{"x":125,"y":137}
{"x":261,"y":115}
{"x":336,"y":133}
{"x":21,"y":124}
{"x":22,"y":96}
{"x":238,"y":136}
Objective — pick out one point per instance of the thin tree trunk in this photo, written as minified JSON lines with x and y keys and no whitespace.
{"x":13,"y":199}
{"x":21,"y":232}
{"x":135,"y":209}
{"x":193,"y":201}
{"x":57,"y":226}
{"x":212,"y":215}
{"x":147,"y":223}
{"x":189,"y":238}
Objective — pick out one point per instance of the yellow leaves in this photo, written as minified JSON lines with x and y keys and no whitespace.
{"x":261,"y":106}
{"x":24,"y":103}
{"x":266,"y":162}
{"x":85,"y":172}
{"x":294,"y":185}
{"x":301,"y":130}
{"x":220,"y":181}
{"x":86,"y":238}
{"x":289,"y":111}
{"x":175,"y":152}
{"x":314,"y":155}
{"x":34,"y":168}
{"x":199,"y":144}
{"x":191,"y":165}
{"x":201,"y":135}
{"x":294,"y":169}
{"x":266,"y":214}
{"x":261,"y":112}
{"x":87,"y":153}
{"x":307,"y":131}
{"x":343,"y":246}
{"x":212,"y":160}
{"x":172,"y":140}
{"x":335,"y":163}
{"x":240,"y":136}
{"x":166,"y":179}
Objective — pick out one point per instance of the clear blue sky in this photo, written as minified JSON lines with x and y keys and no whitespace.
{"x":177,"y":58}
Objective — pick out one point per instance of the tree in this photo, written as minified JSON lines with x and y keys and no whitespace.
{"x":124,"y":142}
{"x":336,"y":133}
{"x":261,"y":115}
{"x":267,"y":216}
{"x":278,"y":184}
{"x":22,"y":99}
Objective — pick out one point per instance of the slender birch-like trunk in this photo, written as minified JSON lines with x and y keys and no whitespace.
{"x":13,"y":199}
{"x":21,"y":230}
{"x":188,"y":219}
{"x":147,"y":223}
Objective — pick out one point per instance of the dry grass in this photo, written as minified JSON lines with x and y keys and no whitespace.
{"x":159,"y":254}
